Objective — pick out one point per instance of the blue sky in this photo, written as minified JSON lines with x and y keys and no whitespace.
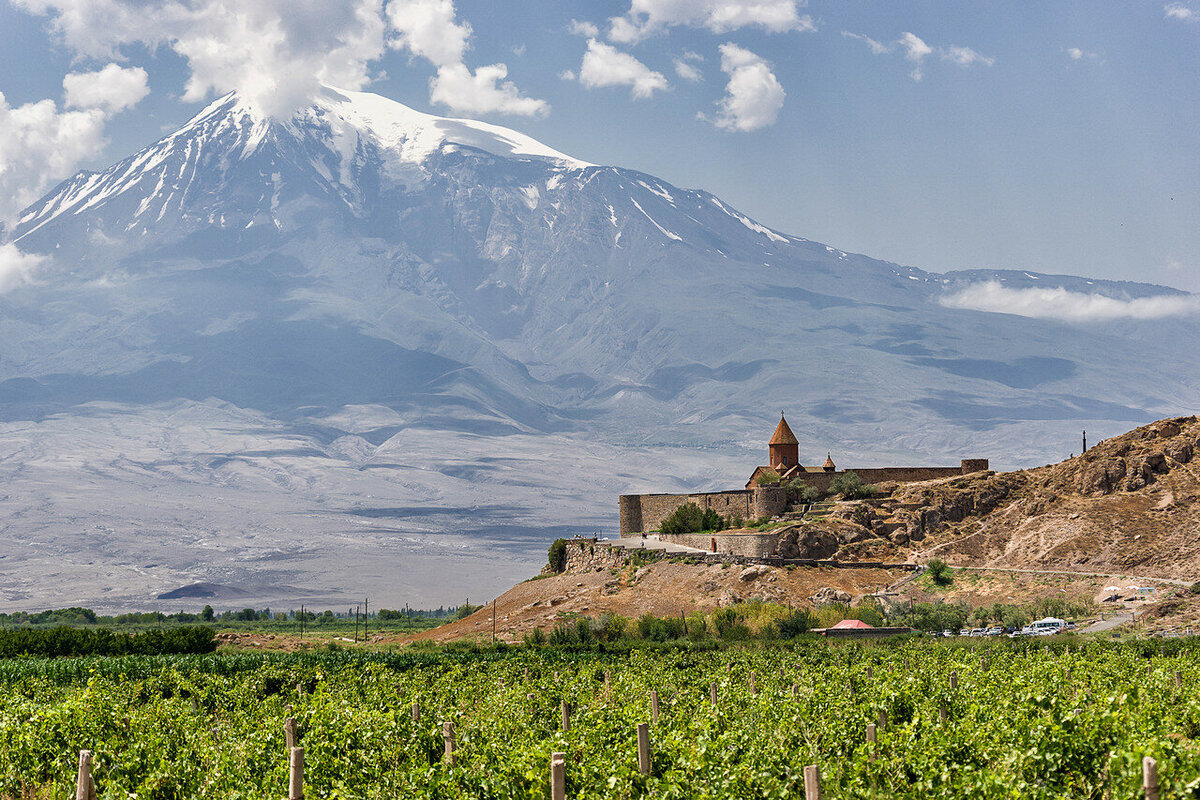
{"x":1051,"y":136}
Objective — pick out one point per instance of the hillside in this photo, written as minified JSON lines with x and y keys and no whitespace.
{"x":1124,"y":512}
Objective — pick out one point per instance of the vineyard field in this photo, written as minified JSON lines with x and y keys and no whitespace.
{"x":1058,"y":720}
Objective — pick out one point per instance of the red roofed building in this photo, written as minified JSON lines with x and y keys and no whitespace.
{"x":851,"y":623}
{"x":783,"y":450}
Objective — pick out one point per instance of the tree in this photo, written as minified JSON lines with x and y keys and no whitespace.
{"x":207,"y":614}
{"x":939,"y":571}
{"x":768,"y":477}
{"x":557,"y":555}
{"x":851,"y":487}
{"x":688,"y":518}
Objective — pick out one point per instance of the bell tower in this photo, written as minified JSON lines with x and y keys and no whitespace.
{"x":783,"y":451}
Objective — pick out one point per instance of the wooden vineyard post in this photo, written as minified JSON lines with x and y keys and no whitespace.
{"x":527,"y":673}
{"x":654,"y":707}
{"x":1178,"y":679}
{"x":753,"y":683}
{"x":870,"y":672}
{"x":953,"y":680}
{"x":289,"y":732}
{"x":643,"y":744}
{"x":795,"y":690}
{"x":983,"y":663}
{"x":881,"y":719}
{"x":782,"y":672}
{"x":871,"y":739}
{"x":566,"y":716}
{"x":296,"y":774}
{"x":812,"y":783}
{"x":84,"y":789}
{"x":1067,"y":677}
{"x":448,"y":735}
{"x":607,"y":679}
{"x":943,"y":714}
{"x":558,"y":776}
{"x":712,"y":694}
{"x":1150,"y":778}
{"x":416,"y":711}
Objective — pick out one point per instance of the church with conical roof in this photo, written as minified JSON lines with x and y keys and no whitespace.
{"x":772,"y":488}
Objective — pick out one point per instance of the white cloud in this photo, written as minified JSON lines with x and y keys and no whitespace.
{"x":40,"y":145}
{"x":1063,"y":304}
{"x":16,"y":267}
{"x":878,"y":48}
{"x":648,"y":17}
{"x":428,"y":28}
{"x":753,"y":95}
{"x":583,"y":28}
{"x":1076,"y":54}
{"x":605,"y":65}
{"x":275,"y":53}
{"x":965,"y":56}
{"x":112,"y":89}
{"x":915,"y":51}
{"x":1181,"y":12}
{"x":686,"y":71}
{"x":483,"y":92}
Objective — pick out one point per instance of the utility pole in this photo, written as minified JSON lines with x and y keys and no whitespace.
{"x":302,"y":622}
{"x":366,"y":613}
{"x":493,"y":621}
{"x":1085,"y":441}
{"x":356,"y":610}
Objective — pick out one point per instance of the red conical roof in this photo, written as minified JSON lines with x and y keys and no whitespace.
{"x":783,"y":434}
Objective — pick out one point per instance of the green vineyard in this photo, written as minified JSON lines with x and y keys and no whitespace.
{"x":1032,"y":720}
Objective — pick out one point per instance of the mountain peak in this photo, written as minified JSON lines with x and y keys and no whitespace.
{"x":412,"y":135}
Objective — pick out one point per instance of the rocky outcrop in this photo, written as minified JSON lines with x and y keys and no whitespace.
{"x":828,"y":594}
{"x":808,"y":542}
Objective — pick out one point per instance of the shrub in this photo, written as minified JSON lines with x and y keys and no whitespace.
{"x":795,"y":623}
{"x":768,"y":477}
{"x":1195,"y":588}
{"x":611,"y":628}
{"x":659,"y":629}
{"x":939,"y":571}
{"x":851,"y":487}
{"x":712,"y":521}
{"x":563,"y":635}
{"x":535,"y":638}
{"x":557,"y":555}
{"x":797,"y":489}
{"x":688,"y":518}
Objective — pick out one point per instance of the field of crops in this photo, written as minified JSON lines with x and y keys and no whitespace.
{"x":1035,"y":721}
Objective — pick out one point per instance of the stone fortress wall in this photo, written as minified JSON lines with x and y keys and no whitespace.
{"x":645,"y":512}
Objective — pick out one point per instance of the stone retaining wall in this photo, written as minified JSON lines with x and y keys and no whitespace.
{"x":746,"y":545}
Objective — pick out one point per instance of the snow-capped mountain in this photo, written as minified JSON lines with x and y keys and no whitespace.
{"x":372,"y":314}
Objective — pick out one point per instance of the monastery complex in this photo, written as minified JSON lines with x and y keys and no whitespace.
{"x":643,"y":513}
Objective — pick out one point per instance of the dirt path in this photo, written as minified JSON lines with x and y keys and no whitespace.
{"x":1073,"y":573}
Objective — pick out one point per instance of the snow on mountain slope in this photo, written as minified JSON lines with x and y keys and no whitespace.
{"x":481,"y":294}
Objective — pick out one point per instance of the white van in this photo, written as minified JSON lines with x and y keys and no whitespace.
{"x":1045,"y":626}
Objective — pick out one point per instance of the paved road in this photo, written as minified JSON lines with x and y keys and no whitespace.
{"x":1108,"y":624}
{"x":650,"y":543}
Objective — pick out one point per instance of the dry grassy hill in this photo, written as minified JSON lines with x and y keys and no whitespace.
{"x":1130,"y":506}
